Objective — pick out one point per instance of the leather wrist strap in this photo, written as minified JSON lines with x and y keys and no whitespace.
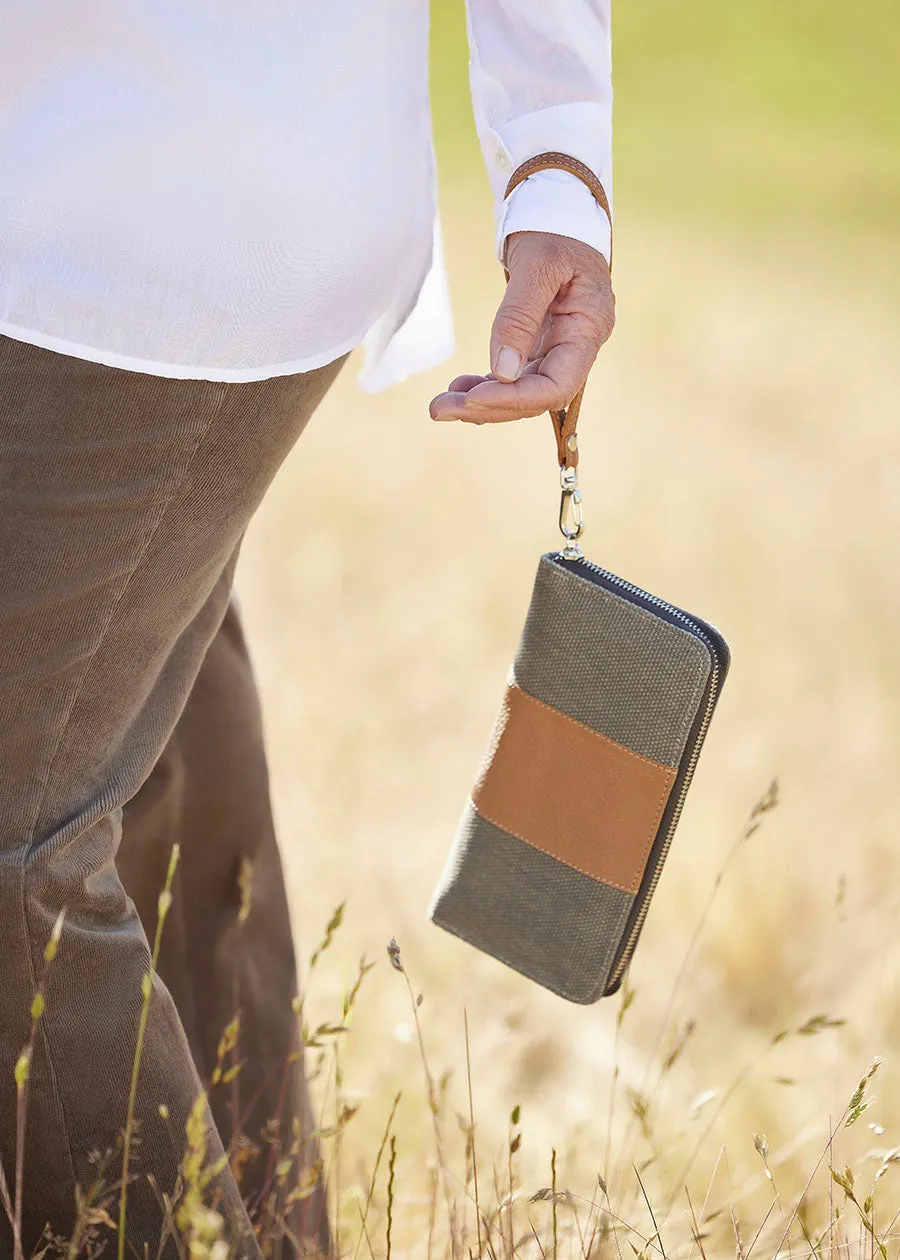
{"x":565,"y":421}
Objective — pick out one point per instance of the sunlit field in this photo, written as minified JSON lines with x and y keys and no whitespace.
{"x":741,"y":457}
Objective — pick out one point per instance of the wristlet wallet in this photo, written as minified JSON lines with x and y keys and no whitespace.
{"x":562,"y":841}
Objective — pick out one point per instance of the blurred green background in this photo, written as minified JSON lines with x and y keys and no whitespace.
{"x":740,"y":456}
{"x":760,"y":117}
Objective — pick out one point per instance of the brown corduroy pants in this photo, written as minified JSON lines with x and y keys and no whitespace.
{"x":129,"y":722}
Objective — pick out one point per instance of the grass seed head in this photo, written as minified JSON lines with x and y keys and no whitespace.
{"x":23,"y":1069}
{"x":394,"y":955}
{"x":859,"y":1103}
{"x":53,"y":944}
{"x":245,"y":888}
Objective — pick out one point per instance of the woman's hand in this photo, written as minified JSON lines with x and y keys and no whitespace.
{"x":557,"y":312}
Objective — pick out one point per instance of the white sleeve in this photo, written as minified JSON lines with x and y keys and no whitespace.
{"x":542,"y":81}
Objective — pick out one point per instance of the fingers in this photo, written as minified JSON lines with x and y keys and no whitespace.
{"x":452,"y":405}
{"x":521,"y":317}
{"x":557,"y":312}
{"x":463,"y":384}
{"x":546,"y":384}
{"x":491,"y":401}
{"x":570,"y":350}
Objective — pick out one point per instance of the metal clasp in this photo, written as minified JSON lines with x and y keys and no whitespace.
{"x":571,"y":517}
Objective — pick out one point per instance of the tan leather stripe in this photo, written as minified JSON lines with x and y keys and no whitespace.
{"x":565,"y":789}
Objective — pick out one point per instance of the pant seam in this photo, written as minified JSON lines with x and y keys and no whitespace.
{"x":54,"y":757}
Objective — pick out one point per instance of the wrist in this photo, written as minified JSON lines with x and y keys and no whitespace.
{"x":555,"y":202}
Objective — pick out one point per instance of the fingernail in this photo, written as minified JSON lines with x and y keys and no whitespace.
{"x":508,"y":365}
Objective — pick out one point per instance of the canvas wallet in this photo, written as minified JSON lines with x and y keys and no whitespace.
{"x":562,"y":841}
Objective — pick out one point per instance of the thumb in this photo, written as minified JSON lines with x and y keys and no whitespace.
{"x":519,"y":321}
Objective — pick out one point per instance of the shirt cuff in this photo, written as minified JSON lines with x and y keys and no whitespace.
{"x":554,"y":201}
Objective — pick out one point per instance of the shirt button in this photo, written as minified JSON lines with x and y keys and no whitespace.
{"x":502,"y":161}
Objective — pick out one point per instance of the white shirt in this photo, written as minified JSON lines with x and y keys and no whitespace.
{"x":236,"y":189}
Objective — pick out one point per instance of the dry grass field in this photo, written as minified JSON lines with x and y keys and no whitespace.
{"x":741,"y":456}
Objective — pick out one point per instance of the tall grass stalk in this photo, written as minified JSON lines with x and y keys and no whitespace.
{"x":472,"y":1133}
{"x":810,"y":1028}
{"x":364,"y":1214}
{"x":765,"y":805}
{"x":392,"y":1164}
{"x":433,"y":1107}
{"x":696,"y":1235}
{"x":8,"y":1207}
{"x":22,"y":1076}
{"x":555,"y":1215}
{"x":625,"y":1003}
{"x":597,"y":1230}
{"x":163,"y":907}
{"x":515,"y":1141}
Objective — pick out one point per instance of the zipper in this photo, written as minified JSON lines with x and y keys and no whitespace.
{"x":719,"y":656}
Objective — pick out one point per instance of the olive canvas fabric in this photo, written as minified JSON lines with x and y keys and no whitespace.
{"x":555,"y":839}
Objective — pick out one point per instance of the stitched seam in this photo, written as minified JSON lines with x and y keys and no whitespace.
{"x":89,"y":664}
{"x":637,"y":609}
{"x":644,"y":613}
{"x":614,"y":743}
{"x":571,"y":166}
{"x":44,"y":1032}
{"x":572,"y":866}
